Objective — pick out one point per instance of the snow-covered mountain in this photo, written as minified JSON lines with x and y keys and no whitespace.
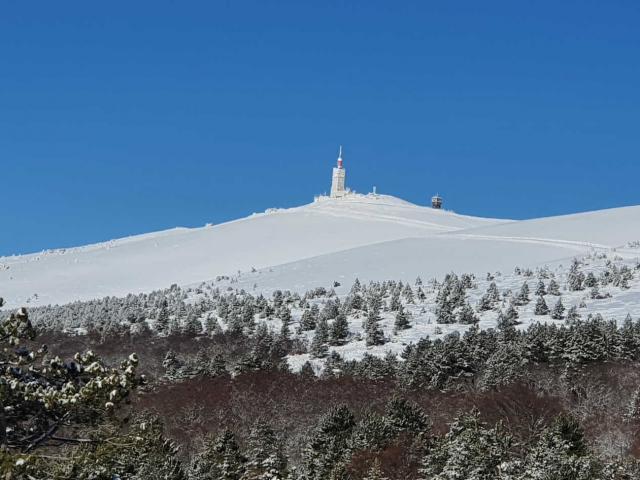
{"x":366,"y":236}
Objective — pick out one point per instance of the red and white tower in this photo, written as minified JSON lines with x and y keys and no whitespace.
{"x":337,"y":180}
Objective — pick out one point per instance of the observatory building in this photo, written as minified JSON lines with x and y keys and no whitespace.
{"x":337,"y":180}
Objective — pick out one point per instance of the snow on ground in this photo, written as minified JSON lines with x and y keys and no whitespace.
{"x":613,"y":227}
{"x":406,"y":259}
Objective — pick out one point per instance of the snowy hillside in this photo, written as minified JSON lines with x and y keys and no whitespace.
{"x":184,"y":256}
{"x":613,"y":227}
{"x":367,"y":236}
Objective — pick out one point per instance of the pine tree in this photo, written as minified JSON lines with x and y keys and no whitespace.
{"x":541,"y":307}
{"x":217,"y":366}
{"x":503,"y":367}
{"x":212,"y":327}
{"x":266,"y":459}
{"x":558,"y":310}
{"x":402,"y":320}
{"x":591,"y":280}
{"x":285,"y":331}
{"x":407,"y":292}
{"x":339,"y":330}
{"x":39,"y":392}
{"x":466,"y":315}
{"x":523,"y":296}
{"x":554,"y":288}
{"x":143,"y":451}
{"x":192,"y":326}
{"x":374,"y":334}
{"x":356,"y":287}
{"x":162,"y":320}
{"x":575,"y":277}
{"x":508,"y":318}
{"x":174,"y":327}
{"x":220,"y":459}
{"x":572,"y":314}
{"x":328,"y":442}
{"x":171,"y":364}
{"x":395,"y":304}
{"x":309,"y":318}
{"x":371,"y":433}
{"x":405,"y":416}
{"x":490,"y":298}
{"x":470,"y":450}
{"x":319,"y":347}
{"x":561,"y":454}
{"x":307,"y":370}
{"x":540,"y":289}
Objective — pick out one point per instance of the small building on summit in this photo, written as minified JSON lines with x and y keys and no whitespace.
{"x":337,"y":180}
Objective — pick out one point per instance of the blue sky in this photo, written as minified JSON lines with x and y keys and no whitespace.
{"x":119,"y":118}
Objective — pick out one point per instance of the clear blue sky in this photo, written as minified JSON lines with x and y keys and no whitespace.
{"x":119,"y":118}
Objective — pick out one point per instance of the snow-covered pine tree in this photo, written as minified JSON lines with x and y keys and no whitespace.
{"x":561,"y":454}
{"x":266,"y":459}
{"x":508,"y":318}
{"x":402,"y":320}
{"x":541,"y":307}
{"x":372,"y":433}
{"x":171,"y":364}
{"x":466,"y":315}
{"x":220,"y":459}
{"x":553,"y":288}
{"x":162,"y":319}
{"x":558,"y":310}
{"x":575,"y":278}
{"x":572,"y":314}
{"x":395,"y":304}
{"x":523,"y":296}
{"x":309,"y":318}
{"x":212,"y":326}
{"x":405,"y":416}
{"x":590,"y":280}
{"x":319,"y":347}
{"x":356,"y":287}
{"x":339,"y":331}
{"x":217,"y":366}
{"x":327,"y":443}
{"x":470,"y":450}
{"x":41,"y":393}
{"x":540,"y":289}
{"x":504,"y":366}
{"x":407,"y":292}
{"x":174,"y":327}
{"x":488,"y":299}
{"x":373,"y":332}
{"x":192,"y":325}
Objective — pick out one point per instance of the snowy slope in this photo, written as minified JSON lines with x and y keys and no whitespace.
{"x":406,"y":259}
{"x":184,"y":256}
{"x":613,"y":227}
